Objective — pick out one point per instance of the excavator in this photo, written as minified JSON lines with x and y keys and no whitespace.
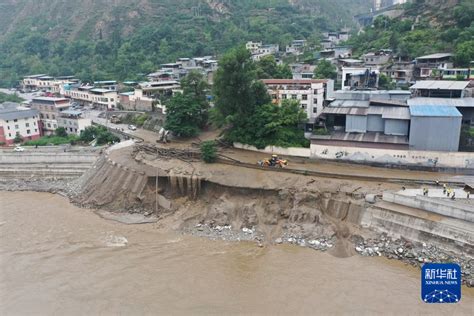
{"x":275,"y":162}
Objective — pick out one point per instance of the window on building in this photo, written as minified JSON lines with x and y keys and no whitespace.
{"x":304,"y":97}
{"x":294,"y":96}
{"x":315,"y":91}
{"x":9,"y":134}
{"x":315,"y":101}
{"x":27,"y":125}
{"x":55,"y":126}
{"x":41,"y":115}
{"x":8,"y":127}
{"x":315,"y":110}
{"x":17,"y":127}
{"x":303,"y":106}
{"x":47,"y":116}
{"x":70,"y":129}
{"x":274,"y":96}
{"x":49,"y":125}
{"x":15,"y":120}
{"x":28,"y":131}
{"x":283,"y":96}
{"x":34,"y":123}
{"x":54,"y":117}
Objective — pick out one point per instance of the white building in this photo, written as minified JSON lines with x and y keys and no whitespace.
{"x":97,"y":97}
{"x":310,"y":93}
{"x":46,"y":83}
{"x":49,"y":109}
{"x":73,"y":122}
{"x":16,"y":119}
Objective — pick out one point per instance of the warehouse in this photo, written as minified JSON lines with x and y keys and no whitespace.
{"x":436,"y":128}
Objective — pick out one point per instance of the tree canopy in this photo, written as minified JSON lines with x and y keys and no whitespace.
{"x":325,"y":70}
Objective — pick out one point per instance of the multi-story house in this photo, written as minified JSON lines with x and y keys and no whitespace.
{"x":400,"y":72}
{"x":147,"y":95}
{"x":73,"y":122}
{"x":46,"y":83}
{"x":97,"y":97}
{"x":18,"y":120}
{"x":310,"y":93}
{"x":432,"y":65}
{"x":49,"y":109}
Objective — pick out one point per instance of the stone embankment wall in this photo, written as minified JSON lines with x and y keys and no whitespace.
{"x":46,"y":163}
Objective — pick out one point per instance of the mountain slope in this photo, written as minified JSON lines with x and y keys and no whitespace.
{"x":425,"y":27}
{"x":100,"y":39}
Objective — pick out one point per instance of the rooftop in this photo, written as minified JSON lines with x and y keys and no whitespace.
{"x":72,"y":112}
{"x":435,"y":56}
{"x":98,"y":90}
{"x":50,"y":99}
{"x":440,"y":84}
{"x":461,"y":102}
{"x":432,"y":111}
{"x":11,"y":111}
{"x":293,"y":81}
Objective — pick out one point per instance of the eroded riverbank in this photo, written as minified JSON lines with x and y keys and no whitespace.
{"x":57,"y":258}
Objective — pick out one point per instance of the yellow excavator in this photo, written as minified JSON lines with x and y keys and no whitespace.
{"x":274,"y":161}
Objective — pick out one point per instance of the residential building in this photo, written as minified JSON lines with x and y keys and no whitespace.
{"x":90,"y":95}
{"x":73,"y":122}
{"x":310,"y":93}
{"x":178,"y":70}
{"x":107,"y":85}
{"x":253,"y":46}
{"x":296,"y":47}
{"x":302,"y":71}
{"x":359,"y":78}
{"x":17,"y":119}
{"x":377,"y":59}
{"x":432,"y":65}
{"x":50,"y":110}
{"x":442,"y":89}
{"x":146,"y":96}
{"x":400,"y":72}
{"x":46,"y":83}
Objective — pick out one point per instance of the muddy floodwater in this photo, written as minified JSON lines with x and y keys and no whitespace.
{"x":58,"y":259}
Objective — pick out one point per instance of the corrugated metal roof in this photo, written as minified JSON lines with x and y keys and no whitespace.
{"x":350,"y":103}
{"x":293,"y":81}
{"x":440,"y":84}
{"x":345,"y":111}
{"x":51,"y":99}
{"x":461,"y":102}
{"x":432,"y":110}
{"x":390,"y":112}
{"x":435,"y":56}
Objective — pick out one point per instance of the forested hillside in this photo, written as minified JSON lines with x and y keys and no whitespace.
{"x":121,"y":39}
{"x":427,"y":26}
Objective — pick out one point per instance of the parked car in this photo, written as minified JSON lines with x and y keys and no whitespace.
{"x":132,"y":127}
{"x":19,"y":148}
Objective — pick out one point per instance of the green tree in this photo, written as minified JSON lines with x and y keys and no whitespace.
{"x":183,"y":115}
{"x":236,"y":90}
{"x":196,"y":88}
{"x":385,"y":82}
{"x":325,"y":70}
{"x":60,"y":132}
{"x":283,"y":72}
{"x":209,"y":151}
{"x":464,"y":53}
{"x":18,"y":139}
{"x":266,"y":67}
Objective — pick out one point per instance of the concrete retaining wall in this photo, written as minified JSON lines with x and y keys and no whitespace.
{"x":461,"y":160}
{"x":431,"y":205}
{"x":290,"y":151}
{"x":44,"y":157}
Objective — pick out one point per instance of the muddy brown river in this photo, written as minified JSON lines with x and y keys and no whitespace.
{"x":58,"y":259}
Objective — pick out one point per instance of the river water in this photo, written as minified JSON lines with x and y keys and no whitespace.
{"x":59,"y":259}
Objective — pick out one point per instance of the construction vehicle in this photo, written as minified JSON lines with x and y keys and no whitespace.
{"x":115,"y":119}
{"x":274,"y":161}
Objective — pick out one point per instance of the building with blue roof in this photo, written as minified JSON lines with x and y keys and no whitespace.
{"x":434,"y":127}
